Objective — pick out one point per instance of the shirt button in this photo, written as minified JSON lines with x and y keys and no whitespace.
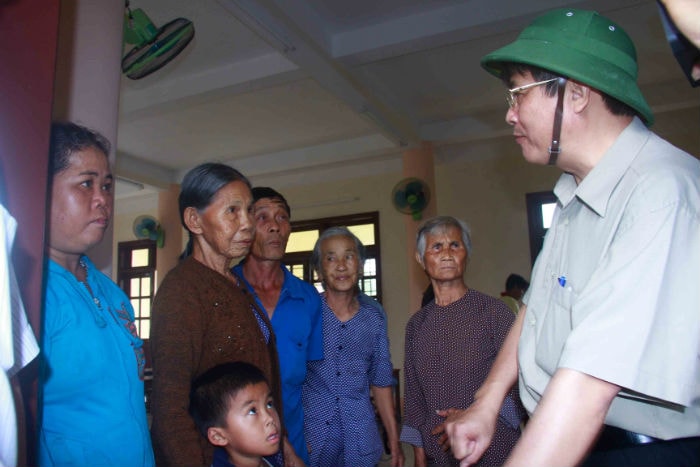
{"x":342,"y":326}
{"x":337,"y":373}
{"x":340,"y":347}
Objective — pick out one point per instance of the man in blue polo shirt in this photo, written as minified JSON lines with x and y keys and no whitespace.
{"x":293,"y":306}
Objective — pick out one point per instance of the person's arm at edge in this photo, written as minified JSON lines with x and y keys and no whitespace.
{"x":684,"y":14}
{"x":291,"y":459}
{"x":420,"y":459}
{"x":174,"y":323}
{"x":385,"y":406}
{"x":413,"y":401}
{"x":569,"y":417}
{"x":471,"y":430}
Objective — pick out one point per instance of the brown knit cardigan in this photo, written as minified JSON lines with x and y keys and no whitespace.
{"x":200,"y":319}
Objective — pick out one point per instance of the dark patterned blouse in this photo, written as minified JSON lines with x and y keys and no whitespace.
{"x":449,"y":352}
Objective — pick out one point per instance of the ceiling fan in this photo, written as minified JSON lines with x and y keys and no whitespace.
{"x":153,"y":47}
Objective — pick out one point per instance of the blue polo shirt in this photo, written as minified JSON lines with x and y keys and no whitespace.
{"x":298,"y":329}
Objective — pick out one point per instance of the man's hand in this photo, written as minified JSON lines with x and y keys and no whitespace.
{"x":444,"y":440}
{"x":470,"y":432}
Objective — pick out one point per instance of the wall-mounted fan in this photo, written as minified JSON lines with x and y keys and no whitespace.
{"x":411,"y":196}
{"x":148,"y":227}
{"x":153,"y":47}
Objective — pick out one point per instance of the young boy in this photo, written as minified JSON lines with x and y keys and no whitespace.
{"x":232,"y":406}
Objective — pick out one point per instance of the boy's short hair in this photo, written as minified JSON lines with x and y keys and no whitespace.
{"x":212,"y":391}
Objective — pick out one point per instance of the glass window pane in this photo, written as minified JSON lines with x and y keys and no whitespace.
{"x":298,"y":271}
{"x":135,"y":306}
{"x":134,"y":289}
{"x":369,"y":286}
{"x":145,"y":286}
{"x":302,"y":241}
{"x":145,"y":308}
{"x":319,"y":287}
{"x":145,"y":329}
{"x":139,"y":258}
{"x":370,"y":268}
{"x":364,"y":232}
{"x":547,"y":213}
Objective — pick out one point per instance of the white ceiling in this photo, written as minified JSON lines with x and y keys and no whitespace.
{"x":293,"y":90}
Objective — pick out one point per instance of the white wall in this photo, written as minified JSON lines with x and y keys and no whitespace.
{"x":484,"y":184}
{"x":488,"y":193}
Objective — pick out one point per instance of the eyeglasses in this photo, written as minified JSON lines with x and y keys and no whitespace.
{"x":512,"y":96}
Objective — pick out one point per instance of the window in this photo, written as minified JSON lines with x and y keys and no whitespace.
{"x":540,"y":208}
{"x":136,"y":269}
{"x":304,"y":236}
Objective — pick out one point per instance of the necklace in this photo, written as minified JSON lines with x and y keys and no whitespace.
{"x":95,"y":311}
{"x":95,"y":300}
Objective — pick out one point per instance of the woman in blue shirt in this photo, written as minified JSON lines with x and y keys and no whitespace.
{"x":92,"y":409}
{"x":340,"y":424}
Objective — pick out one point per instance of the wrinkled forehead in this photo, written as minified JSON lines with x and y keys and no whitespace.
{"x":338,"y":244}
{"x":444,"y":230}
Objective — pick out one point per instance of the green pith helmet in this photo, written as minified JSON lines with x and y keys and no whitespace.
{"x":581,"y":45}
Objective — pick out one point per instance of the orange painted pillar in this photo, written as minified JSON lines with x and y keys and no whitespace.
{"x":88,"y":74}
{"x":169,"y":218}
{"x":419,"y":163}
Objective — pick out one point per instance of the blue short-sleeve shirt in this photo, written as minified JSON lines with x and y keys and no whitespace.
{"x":296,"y":322}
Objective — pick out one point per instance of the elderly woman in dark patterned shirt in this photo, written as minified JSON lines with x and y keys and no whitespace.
{"x":450,"y":345}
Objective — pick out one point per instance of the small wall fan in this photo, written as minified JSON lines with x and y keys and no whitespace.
{"x":147,"y":227}
{"x":411,"y":196}
{"x":153,"y":47}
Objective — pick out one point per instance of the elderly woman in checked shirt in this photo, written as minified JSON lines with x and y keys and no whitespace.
{"x":340,"y":425}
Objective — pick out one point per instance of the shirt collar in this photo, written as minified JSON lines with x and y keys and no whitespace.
{"x":597,"y":187}
{"x":289,"y":286}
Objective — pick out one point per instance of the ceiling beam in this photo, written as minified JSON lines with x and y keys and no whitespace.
{"x":268,"y":20}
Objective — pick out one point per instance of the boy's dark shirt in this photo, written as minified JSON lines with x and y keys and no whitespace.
{"x":221,"y":459}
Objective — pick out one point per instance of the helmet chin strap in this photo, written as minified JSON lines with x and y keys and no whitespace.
{"x":555,"y":149}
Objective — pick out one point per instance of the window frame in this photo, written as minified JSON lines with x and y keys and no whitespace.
{"x":321,"y":224}
{"x":535,"y":222}
{"x":125,"y":273}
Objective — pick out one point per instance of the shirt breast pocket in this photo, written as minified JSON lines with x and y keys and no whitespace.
{"x":292,"y":354}
{"x":555,"y":327}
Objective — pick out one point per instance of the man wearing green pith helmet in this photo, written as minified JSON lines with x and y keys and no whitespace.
{"x":606,"y":348}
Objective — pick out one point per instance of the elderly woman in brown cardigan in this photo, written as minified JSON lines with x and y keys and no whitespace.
{"x":202,"y":314}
